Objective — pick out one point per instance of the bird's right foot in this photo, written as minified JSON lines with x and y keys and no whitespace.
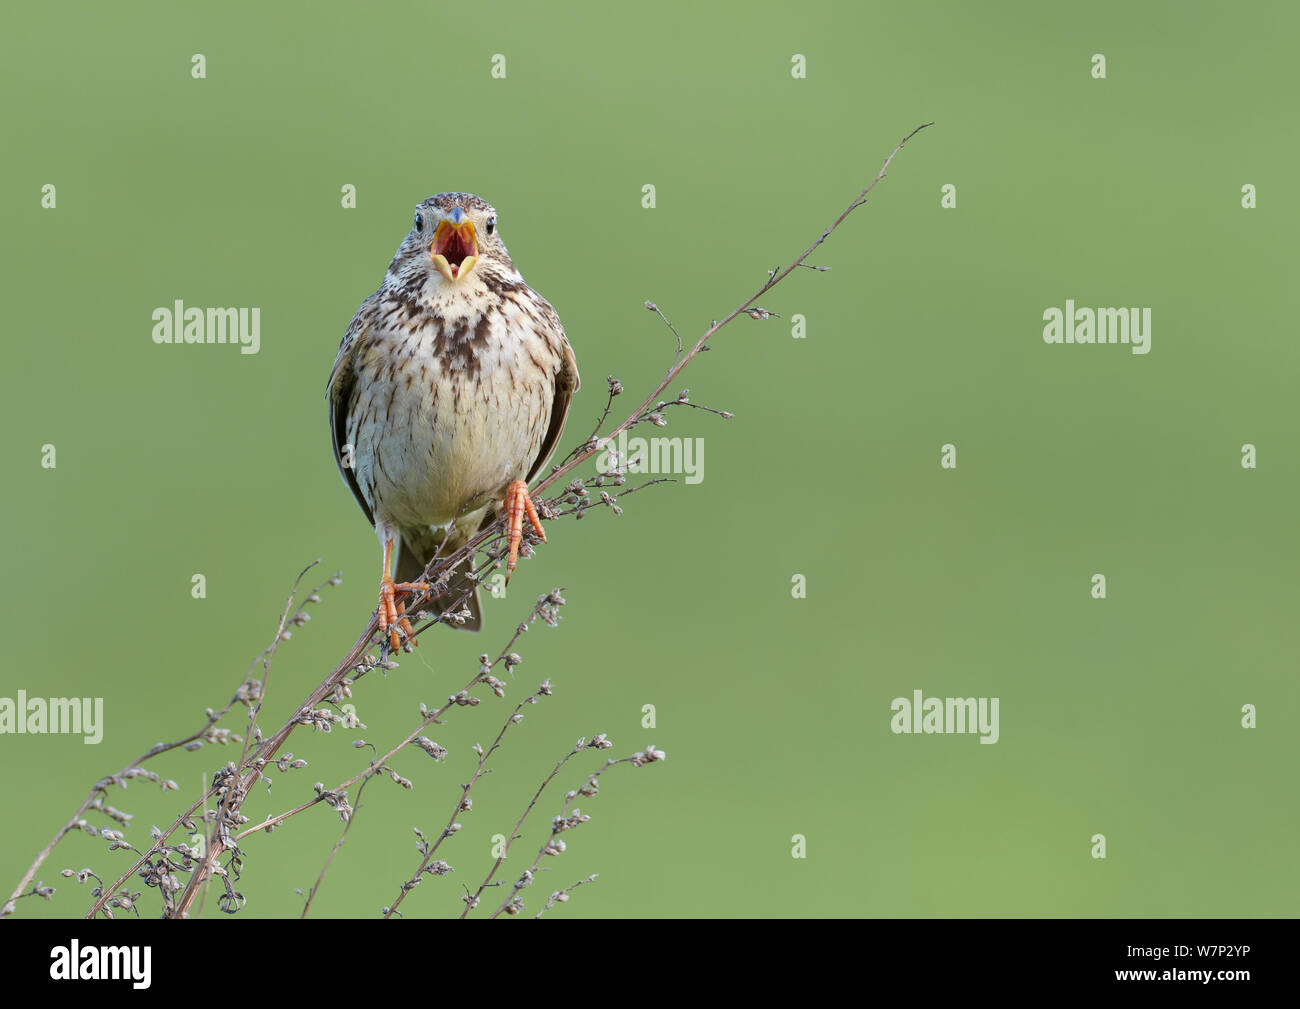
{"x":392,"y":614}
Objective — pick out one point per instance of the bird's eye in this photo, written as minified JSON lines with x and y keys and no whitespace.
{"x":491,"y":224}
{"x":419,"y":222}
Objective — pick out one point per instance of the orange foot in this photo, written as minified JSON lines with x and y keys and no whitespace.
{"x":392,"y":614}
{"x":517,"y":503}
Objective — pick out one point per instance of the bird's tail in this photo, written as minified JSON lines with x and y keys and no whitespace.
{"x":410,"y":568}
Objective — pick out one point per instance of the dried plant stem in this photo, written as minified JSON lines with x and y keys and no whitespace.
{"x":21,"y":889}
{"x":526,"y":877}
{"x":234,"y":787}
{"x":680,"y":363}
{"x":264,"y":753}
{"x":461,"y":805}
{"x":472,"y":902}
{"x":101,"y":790}
{"x":210,"y":856}
{"x":560,"y":896}
{"x":320,"y":878}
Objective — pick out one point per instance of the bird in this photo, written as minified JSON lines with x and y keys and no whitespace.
{"x":448,"y":396}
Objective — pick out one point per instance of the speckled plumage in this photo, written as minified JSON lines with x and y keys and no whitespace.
{"x":447,"y":389}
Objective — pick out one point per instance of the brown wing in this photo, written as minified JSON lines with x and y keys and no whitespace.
{"x":567,"y":383}
{"x":342,"y":396}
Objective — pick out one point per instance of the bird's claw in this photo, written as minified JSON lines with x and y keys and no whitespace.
{"x":392,"y":614}
{"x":519,"y":503}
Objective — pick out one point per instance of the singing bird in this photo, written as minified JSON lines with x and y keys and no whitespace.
{"x":448,"y":395}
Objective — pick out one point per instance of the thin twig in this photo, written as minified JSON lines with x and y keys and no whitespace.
{"x":472,"y":901}
{"x":702,"y":342}
{"x":484,"y":756}
{"x":564,"y":822}
{"x":311,"y":895}
{"x":559,"y":896}
{"x":658,"y":311}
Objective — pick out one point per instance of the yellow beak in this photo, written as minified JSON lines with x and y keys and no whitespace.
{"x":454,"y":249}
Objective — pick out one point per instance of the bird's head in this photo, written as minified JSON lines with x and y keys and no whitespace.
{"x":453,"y":237}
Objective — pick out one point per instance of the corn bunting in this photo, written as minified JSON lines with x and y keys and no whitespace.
{"x":448,"y":395}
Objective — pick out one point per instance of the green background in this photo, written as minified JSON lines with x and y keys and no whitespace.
{"x":1119,"y":717}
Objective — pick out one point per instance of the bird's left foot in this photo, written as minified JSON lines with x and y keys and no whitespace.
{"x":519,"y":503}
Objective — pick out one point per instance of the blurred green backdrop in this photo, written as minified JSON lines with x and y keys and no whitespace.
{"x":1119,"y":717}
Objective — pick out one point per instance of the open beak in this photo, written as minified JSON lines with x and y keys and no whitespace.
{"x":455,"y":248}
